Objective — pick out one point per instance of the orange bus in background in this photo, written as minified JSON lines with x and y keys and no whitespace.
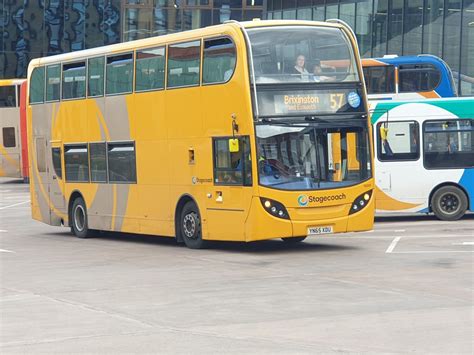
{"x":13,"y":140}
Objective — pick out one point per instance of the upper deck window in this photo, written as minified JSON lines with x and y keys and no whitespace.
{"x":293,"y":54}
{"x":53,"y":82}
{"x":74,"y":80}
{"x":219,"y":60}
{"x":183,"y":64}
{"x":380,"y":79}
{"x":95,"y":71}
{"x":418,"y":77}
{"x":119,"y":75}
{"x":37,"y":86}
{"x":150,"y":69}
{"x":7,"y":96}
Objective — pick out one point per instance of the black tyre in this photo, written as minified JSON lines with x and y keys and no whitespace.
{"x":449,"y":203}
{"x":190,"y":227}
{"x":79,"y":225}
{"x":293,"y":240}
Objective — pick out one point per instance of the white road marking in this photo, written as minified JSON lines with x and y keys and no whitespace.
{"x":15,"y":204}
{"x":393,"y":244}
{"x":399,"y":230}
{"x":3,"y":231}
{"x":433,"y":251}
{"x":6,"y":251}
{"x":463,"y":243}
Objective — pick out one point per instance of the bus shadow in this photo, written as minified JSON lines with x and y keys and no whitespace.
{"x":273,"y":246}
{"x":417,"y":217}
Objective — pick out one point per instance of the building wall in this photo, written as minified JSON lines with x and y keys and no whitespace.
{"x":405,"y":27}
{"x":37,"y":28}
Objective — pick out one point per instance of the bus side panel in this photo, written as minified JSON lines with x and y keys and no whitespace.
{"x":10,"y":156}
{"x":467,"y":182}
{"x":23,"y":132}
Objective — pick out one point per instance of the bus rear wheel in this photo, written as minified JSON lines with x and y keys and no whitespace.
{"x":293,"y":240}
{"x":449,"y":203}
{"x":79,"y":225}
{"x":190,"y":227}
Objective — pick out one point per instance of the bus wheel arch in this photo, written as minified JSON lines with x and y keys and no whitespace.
{"x":186,"y":202}
{"x":448,"y":190}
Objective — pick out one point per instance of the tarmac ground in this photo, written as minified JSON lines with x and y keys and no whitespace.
{"x":407,"y":286}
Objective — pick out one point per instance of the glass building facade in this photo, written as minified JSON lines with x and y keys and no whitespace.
{"x":38,"y":28}
{"x":444,"y":28}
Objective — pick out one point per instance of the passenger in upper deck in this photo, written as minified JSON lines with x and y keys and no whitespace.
{"x":300,"y":68}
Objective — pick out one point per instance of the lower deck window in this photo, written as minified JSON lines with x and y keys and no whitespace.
{"x":448,"y":144}
{"x":232,"y":168}
{"x":8,"y":134}
{"x":77,"y":163}
{"x":122,"y":162}
{"x":57,"y":165}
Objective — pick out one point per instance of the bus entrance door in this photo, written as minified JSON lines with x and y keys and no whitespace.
{"x":56,"y":183}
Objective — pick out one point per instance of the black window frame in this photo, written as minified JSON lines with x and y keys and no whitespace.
{"x":203,"y":50}
{"x":76,"y":145}
{"x":15,"y":96}
{"x":417,"y":68}
{"x":118,"y":143}
{"x":398,"y":157}
{"x":46,"y":83}
{"x":104,"y":143}
{"x":85,"y":80}
{"x":165,"y":68}
{"x":451,"y":131}
{"x":132,"y":83}
{"x":4,"y":130}
{"x":387,"y":82}
{"x":245,"y":182}
{"x":41,"y":69}
{"x":168,"y":49}
{"x":103,"y":76}
{"x":58,"y":170}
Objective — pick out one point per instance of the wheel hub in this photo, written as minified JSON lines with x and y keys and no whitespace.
{"x":189,"y":226}
{"x":79,"y":218}
{"x":449,"y":203}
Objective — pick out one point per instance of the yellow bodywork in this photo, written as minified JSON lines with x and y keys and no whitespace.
{"x":166,"y":125}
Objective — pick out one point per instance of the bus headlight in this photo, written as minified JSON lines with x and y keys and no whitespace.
{"x":274,"y":208}
{"x":360,"y":202}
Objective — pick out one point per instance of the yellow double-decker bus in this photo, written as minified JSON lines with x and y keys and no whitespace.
{"x":239,"y":132}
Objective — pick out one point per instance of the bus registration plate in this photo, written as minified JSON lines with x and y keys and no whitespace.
{"x":320,"y":230}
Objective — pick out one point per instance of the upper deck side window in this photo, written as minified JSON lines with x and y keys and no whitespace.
{"x":219,"y":60}
{"x":37,"y":85}
{"x":74,"y":80}
{"x":380,"y":79}
{"x":184,"y":64}
{"x":119,"y":74}
{"x":418,"y":77}
{"x":8,"y":96}
{"x":53,"y":82}
{"x":150,"y":69}
{"x":95,"y":76}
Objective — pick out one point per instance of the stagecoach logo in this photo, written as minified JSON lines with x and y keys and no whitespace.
{"x":353,"y":99}
{"x":302,"y":200}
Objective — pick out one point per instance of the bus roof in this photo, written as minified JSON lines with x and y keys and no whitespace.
{"x":407,"y":59}
{"x":170,"y":38}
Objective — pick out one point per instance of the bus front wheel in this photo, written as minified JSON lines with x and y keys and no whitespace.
{"x":79,"y":225}
{"x":190,"y":227}
{"x":449,"y":203}
{"x":293,"y":240}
